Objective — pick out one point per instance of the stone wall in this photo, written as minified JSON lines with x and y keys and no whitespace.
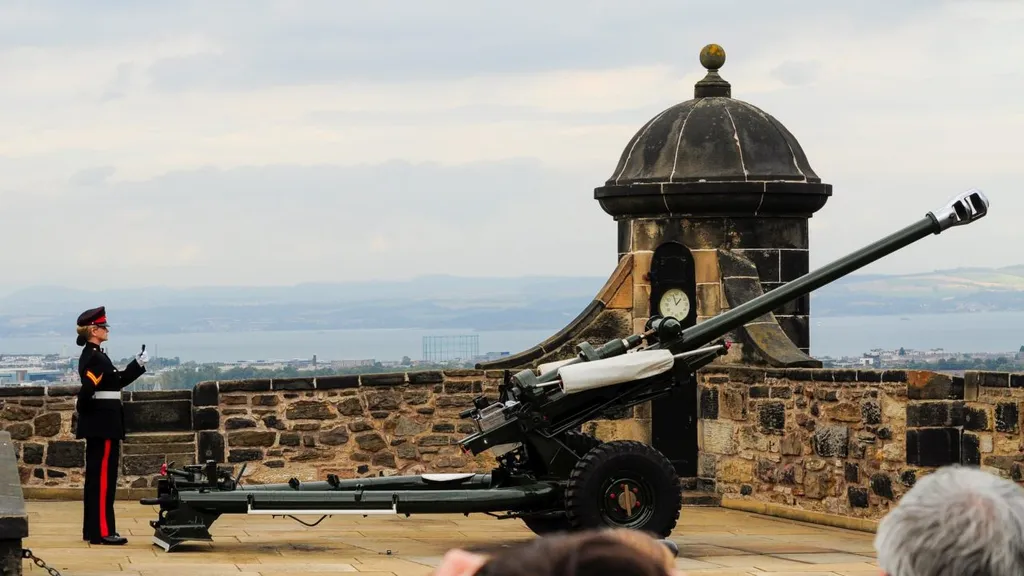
{"x":851,"y":442}
{"x":359,"y":425}
{"x":846,"y":442}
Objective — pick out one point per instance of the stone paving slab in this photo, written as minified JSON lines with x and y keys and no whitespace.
{"x":712,"y":542}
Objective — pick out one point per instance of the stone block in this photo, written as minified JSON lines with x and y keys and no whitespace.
{"x":929,"y":414}
{"x":708,"y":402}
{"x":245,"y":386}
{"x":351,"y":406}
{"x":309,"y":410}
{"x":395,"y":379}
{"x":924,"y":385}
{"x":705,"y":266}
{"x":32,"y":453}
{"x":792,"y":444}
{"x":933,"y":446}
{"x":291,"y":384}
{"x":161,"y":416}
{"x":426,"y":377}
{"x":857,"y":496}
{"x":62,"y":391}
{"x":7,"y":391}
{"x":772,"y":415}
{"x":709,"y":299}
{"x":899,"y":376}
{"x":155,"y":448}
{"x":1007,"y":417}
{"x":719,"y":437}
{"x":16,"y":413}
{"x":334,"y":437}
{"x":210,"y":446}
{"x":205,"y":394}
{"x":342,"y":382}
{"x":970,"y":450}
{"x":383,"y":400}
{"x":157,"y":395}
{"x":816,"y":485}
{"x":245,"y":455}
{"x":988,"y":379}
{"x":239,"y":423}
{"x":642,"y":301}
{"x":733,"y":404}
{"x":831,"y":441}
{"x":975,"y":419}
{"x":851,"y":472}
{"x":844,"y":412}
{"x":65,"y":453}
{"x":871,"y":412}
{"x":252,"y":438}
{"x":735,"y":471}
{"x":372,"y":442}
{"x":462,"y":386}
{"x":793,"y":264}
{"x":207,"y":418}
{"x":642,"y":266}
{"x":19,"y":431}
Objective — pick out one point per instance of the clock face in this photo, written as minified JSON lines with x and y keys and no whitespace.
{"x":674,"y":303}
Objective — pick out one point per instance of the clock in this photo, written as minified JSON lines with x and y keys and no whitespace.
{"x":674,"y":303}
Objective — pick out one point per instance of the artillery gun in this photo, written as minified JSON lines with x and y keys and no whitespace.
{"x":549,"y":474}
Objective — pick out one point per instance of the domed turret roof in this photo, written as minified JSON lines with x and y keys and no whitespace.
{"x":713,"y":155}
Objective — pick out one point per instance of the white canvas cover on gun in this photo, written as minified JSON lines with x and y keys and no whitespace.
{"x":548,"y":367}
{"x":614,"y":370}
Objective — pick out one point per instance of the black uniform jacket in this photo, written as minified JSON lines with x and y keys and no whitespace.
{"x":100,"y":417}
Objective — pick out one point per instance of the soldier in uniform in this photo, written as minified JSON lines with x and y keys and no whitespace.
{"x":101,"y":424}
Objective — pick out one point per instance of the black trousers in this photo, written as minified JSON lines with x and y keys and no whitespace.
{"x":102,"y":457}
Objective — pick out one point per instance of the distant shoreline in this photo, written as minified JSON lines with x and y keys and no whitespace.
{"x":128,"y":330}
{"x":979,"y":332}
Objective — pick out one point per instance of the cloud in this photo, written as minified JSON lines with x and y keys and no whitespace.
{"x":280,"y":142}
{"x":91,"y":176}
{"x":273,"y":225}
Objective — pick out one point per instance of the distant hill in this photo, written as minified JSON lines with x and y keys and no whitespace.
{"x":943,"y":291}
{"x":440,"y":302}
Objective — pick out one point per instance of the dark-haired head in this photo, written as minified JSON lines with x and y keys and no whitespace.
{"x":619,"y":552}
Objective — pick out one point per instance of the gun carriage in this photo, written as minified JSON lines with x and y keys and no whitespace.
{"x":549,"y":474}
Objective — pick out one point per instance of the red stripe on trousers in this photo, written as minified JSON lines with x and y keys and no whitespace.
{"x":103,"y":490}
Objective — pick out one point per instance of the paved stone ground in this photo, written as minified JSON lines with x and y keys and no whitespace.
{"x":712,"y":541}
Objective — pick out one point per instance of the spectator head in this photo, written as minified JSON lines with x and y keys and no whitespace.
{"x":597,"y":552}
{"x":956,"y":521}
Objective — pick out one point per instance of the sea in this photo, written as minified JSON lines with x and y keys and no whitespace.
{"x":830,"y":336}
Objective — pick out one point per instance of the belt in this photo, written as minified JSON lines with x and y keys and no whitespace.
{"x":106,"y":395}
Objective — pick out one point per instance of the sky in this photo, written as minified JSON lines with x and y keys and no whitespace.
{"x":180,"y":143}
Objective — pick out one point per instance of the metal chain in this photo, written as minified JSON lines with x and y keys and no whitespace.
{"x":26,"y":553}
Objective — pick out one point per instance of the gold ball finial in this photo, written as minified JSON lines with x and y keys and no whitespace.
{"x":712,"y":57}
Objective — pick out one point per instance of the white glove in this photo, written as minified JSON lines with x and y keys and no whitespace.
{"x":142,"y":358}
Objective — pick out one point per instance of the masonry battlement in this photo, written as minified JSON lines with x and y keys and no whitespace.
{"x":846,"y":442}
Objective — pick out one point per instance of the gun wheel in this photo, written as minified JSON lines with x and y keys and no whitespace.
{"x":580,"y":443}
{"x":624,"y":484}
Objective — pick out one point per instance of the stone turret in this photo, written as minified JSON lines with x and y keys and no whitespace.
{"x":712,"y":198}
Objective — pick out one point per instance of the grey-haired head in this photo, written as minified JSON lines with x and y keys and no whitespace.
{"x":956,"y":521}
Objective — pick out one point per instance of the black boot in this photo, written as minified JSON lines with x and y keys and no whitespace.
{"x":112,"y":540}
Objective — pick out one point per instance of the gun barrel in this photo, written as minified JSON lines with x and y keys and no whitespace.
{"x":963,"y":209}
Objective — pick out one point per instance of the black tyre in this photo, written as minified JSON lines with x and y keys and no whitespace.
{"x":624,"y":484}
